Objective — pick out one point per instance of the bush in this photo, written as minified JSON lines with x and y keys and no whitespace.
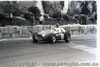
{"x":46,"y":16}
{"x":65,"y":16}
{"x":28,"y":15}
{"x":35,"y":11}
{"x":53,"y":21}
{"x":16,"y":21}
{"x":57,"y":15}
{"x":20,"y":22}
{"x":2,"y":16}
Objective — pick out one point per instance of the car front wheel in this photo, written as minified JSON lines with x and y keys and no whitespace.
{"x":34,"y":39}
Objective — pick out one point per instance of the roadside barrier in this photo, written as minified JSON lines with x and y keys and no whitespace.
{"x":13,"y":32}
{"x":9,"y":32}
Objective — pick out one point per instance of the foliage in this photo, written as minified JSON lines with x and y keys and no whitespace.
{"x":28,"y":15}
{"x":35,"y":11}
{"x":80,"y":8}
{"x":2,"y":16}
{"x":57,"y":15}
{"x":11,"y":7}
{"x":52,"y":8}
{"x":66,"y":17}
{"x":46,"y":16}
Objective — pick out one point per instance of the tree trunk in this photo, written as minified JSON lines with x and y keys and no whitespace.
{"x":11,"y":15}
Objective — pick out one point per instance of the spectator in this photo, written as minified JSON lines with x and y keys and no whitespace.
{"x":41,"y":19}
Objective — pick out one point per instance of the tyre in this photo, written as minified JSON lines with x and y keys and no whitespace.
{"x":67,"y":37}
{"x":34,"y":39}
{"x":51,"y":38}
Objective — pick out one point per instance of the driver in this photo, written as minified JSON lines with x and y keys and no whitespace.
{"x":59,"y":29}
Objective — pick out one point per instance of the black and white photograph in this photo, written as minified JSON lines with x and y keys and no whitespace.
{"x":54,"y":33}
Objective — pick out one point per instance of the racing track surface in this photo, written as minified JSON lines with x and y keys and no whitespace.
{"x":80,"y":49}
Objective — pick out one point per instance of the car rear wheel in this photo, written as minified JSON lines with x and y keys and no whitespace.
{"x":67,"y":37}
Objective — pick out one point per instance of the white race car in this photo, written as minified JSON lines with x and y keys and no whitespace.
{"x":52,"y":35}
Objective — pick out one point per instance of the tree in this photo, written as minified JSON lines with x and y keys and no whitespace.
{"x":52,"y":8}
{"x":11,"y":8}
{"x":35,"y":11}
{"x":85,"y":10}
{"x":30,"y":17}
{"x":57,"y":15}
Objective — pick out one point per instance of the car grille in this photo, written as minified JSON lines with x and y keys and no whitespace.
{"x":39,"y":37}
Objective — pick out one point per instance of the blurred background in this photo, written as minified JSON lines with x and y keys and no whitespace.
{"x":29,"y":13}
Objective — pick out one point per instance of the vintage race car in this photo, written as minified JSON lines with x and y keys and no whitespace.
{"x":52,"y":35}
